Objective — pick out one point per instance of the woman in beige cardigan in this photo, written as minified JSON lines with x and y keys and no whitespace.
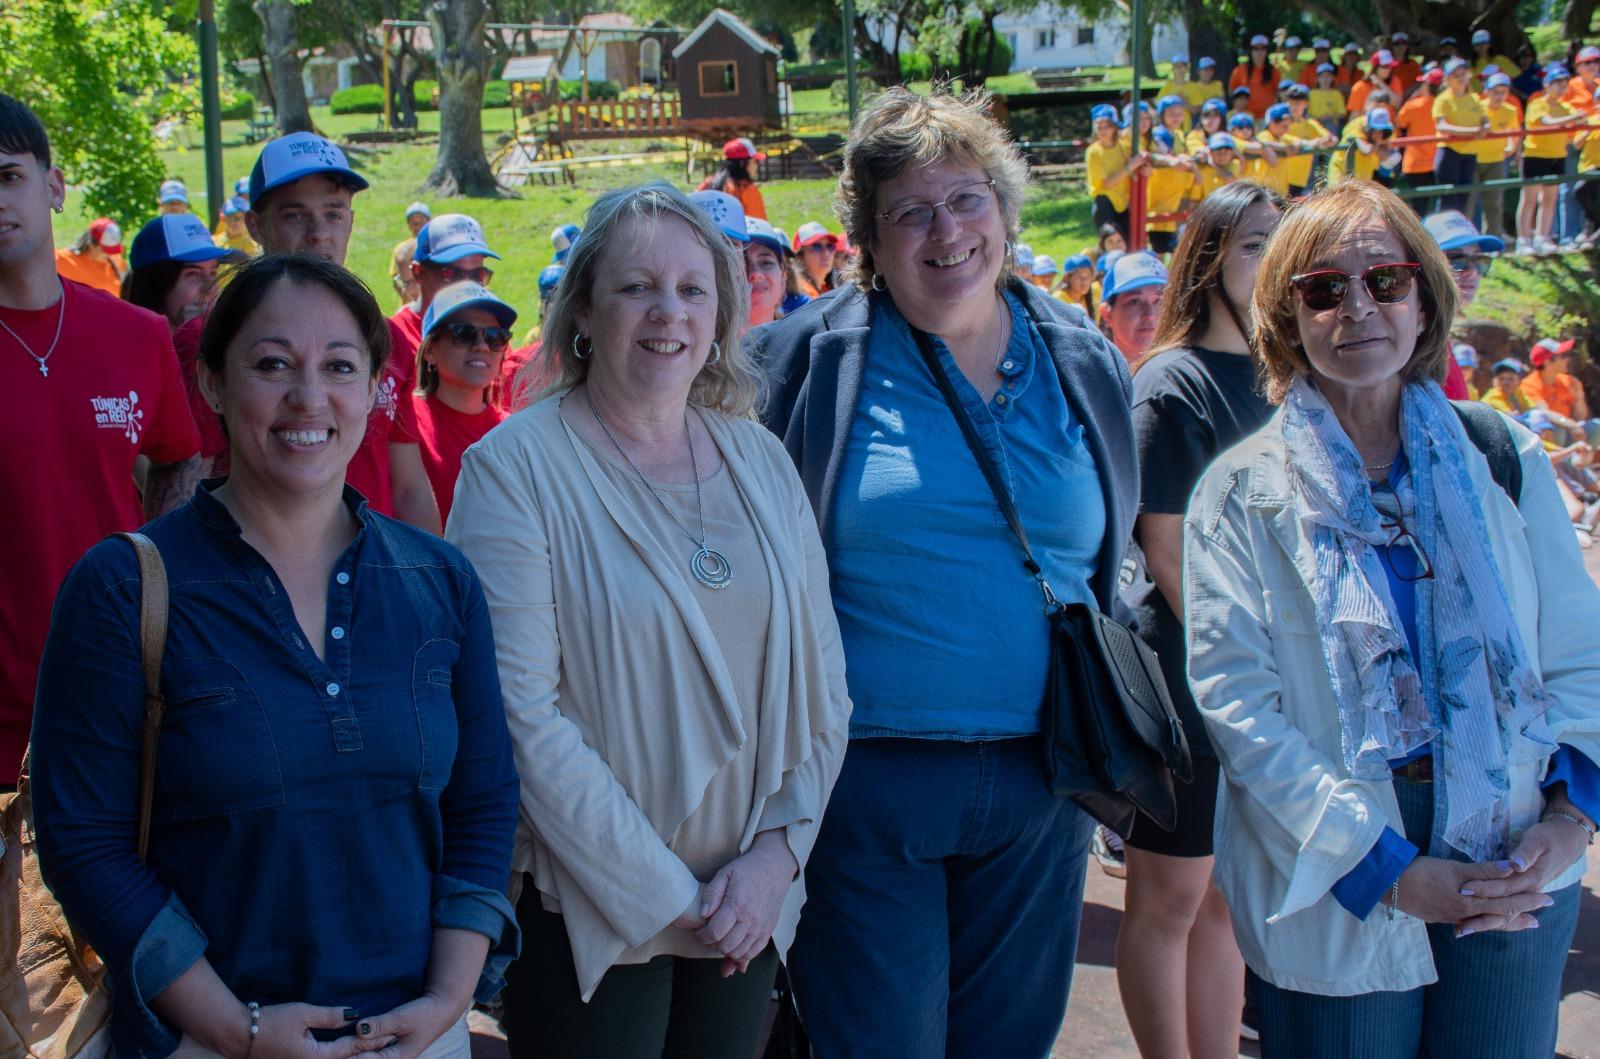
{"x":673,"y":676}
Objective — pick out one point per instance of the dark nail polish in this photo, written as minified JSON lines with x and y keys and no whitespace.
{"x":365,"y":1029}
{"x":351,"y":1014}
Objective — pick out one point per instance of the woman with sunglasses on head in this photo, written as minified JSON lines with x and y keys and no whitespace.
{"x":465,"y":334}
{"x":943,"y":896}
{"x":1194,"y":396}
{"x":1394,"y":659}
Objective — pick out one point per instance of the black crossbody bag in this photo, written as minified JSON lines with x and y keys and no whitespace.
{"x":1112,"y":741}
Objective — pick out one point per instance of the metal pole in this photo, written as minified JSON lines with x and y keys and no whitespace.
{"x":211,"y":104}
{"x":850,"y":55}
{"x":1136,"y":217}
{"x":388,"y":86}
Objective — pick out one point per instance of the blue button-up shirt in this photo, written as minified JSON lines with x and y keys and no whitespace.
{"x":315,"y":819}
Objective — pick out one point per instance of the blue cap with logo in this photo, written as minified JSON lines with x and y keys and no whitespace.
{"x":174,"y":237}
{"x":300,"y":154}
{"x":1452,"y":230}
{"x":172,"y":191}
{"x":1132,"y":272}
{"x":241,"y":187}
{"x":549,"y":277}
{"x":762,"y":232}
{"x":1453,"y":64}
{"x":450,"y":237}
{"x":725,"y":211}
{"x":464,"y":295}
{"x":1104,"y":112}
{"x":1278,"y":112}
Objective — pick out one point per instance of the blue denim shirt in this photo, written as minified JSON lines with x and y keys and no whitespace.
{"x":944,"y":630}
{"x":314,"y":821}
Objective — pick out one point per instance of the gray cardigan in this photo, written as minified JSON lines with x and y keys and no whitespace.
{"x":813,"y":359}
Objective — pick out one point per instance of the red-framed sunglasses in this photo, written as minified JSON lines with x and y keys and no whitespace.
{"x":1388,"y":283}
{"x":481,"y":275}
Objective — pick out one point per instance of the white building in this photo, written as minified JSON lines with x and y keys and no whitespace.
{"x":1047,"y":38}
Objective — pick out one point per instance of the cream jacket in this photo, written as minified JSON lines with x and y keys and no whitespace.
{"x":618,"y":698}
{"x":1290,"y":820}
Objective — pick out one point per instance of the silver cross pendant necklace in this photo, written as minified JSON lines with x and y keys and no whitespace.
{"x":44,"y":361}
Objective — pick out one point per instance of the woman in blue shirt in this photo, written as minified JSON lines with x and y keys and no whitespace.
{"x":335,"y":796}
{"x":943,"y":893}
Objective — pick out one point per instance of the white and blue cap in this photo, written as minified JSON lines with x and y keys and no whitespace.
{"x":235,"y":206}
{"x":1260,"y":41}
{"x":1497,"y":81}
{"x":241,"y":187}
{"x":300,"y":154}
{"x":1044,"y":265}
{"x":1279,"y":112}
{"x":1378,"y":118}
{"x":1291,"y":43}
{"x":1024,"y":255}
{"x":1168,"y":101}
{"x":1327,"y":68}
{"x":564,"y":239}
{"x":1106,"y":260}
{"x":1221,"y":141}
{"x":1180,"y":60}
{"x":1321,"y":44}
{"x":1075,"y":262}
{"x":1465,"y":356}
{"x":1480,"y":36}
{"x":549,"y":278}
{"x":1206,"y":63}
{"x":418,"y":207}
{"x":1132,"y":272}
{"x":450,"y":237}
{"x":1164,"y":139}
{"x":1554,"y":74}
{"x":761,"y":231}
{"x":1104,"y":112}
{"x":1452,"y":231}
{"x":1453,"y":64}
{"x":172,"y":191}
{"x":464,"y":295}
{"x":1241,"y":120}
{"x":174,"y":237}
{"x":725,"y":211}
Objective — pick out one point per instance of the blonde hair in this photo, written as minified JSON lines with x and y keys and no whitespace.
{"x":727,"y":384}
{"x":1300,"y":241}
{"x":901,"y":131}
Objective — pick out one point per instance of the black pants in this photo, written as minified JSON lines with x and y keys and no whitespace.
{"x":1104,"y":213}
{"x":670,"y":1008}
{"x":1588,"y":195}
{"x":1453,"y":167}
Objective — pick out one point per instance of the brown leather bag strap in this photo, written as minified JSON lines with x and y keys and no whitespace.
{"x":153,"y":637}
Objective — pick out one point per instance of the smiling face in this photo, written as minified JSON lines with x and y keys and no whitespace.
{"x":28,"y":190}
{"x":652,"y":312}
{"x":1361,"y":345}
{"x":764,"y":269}
{"x":191,"y":294}
{"x":311,"y":215}
{"x":465,"y":367}
{"x":295,"y":390}
{"x":931,"y":270}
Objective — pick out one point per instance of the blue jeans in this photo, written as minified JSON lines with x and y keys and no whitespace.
{"x":1453,"y":167}
{"x":1497,"y":995}
{"x":942,"y":904}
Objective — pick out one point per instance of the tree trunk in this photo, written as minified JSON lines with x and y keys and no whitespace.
{"x":883,"y":64}
{"x":1207,"y":36}
{"x":1431,"y":20}
{"x":266,"y":74}
{"x":458,"y":39}
{"x":1575,"y":21}
{"x":283,"y":52}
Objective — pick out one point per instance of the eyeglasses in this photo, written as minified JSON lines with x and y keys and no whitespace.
{"x":1461,"y":264}
{"x":466,"y":335}
{"x":1325,"y":289}
{"x":450,"y":273}
{"x":1387,"y":502}
{"x":965,"y":202}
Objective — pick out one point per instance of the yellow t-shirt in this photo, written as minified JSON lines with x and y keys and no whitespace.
{"x":1507,"y":67}
{"x":1203,"y":92}
{"x":1546,"y":145}
{"x":1502,"y":117}
{"x":1101,"y":162}
{"x":1326,"y":103}
{"x":1589,"y":154}
{"x":1267,"y":174}
{"x":1167,"y":189}
{"x":1297,"y":167}
{"x":1196,"y":139}
{"x":1365,"y":165}
{"x":1209,"y":178}
{"x":1188,"y":91}
{"x":1464,"y":110}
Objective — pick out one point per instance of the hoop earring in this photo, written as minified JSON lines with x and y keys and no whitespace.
{"x":878,"y":283}
{"x":716,"y":355}
{"x":59,"y":208}
{"x":576,"y":352}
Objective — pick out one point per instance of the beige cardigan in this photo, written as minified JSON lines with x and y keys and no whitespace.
{"x":617,"y":696}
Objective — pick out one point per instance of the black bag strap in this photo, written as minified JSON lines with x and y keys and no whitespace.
{"x":991,"y":473}
{"x":1488,"y":431}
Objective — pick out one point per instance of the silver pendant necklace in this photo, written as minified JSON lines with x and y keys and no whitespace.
{"x":44,"y":361}
{"x":709,"y":566}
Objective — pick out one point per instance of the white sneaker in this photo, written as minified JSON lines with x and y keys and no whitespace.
{"x":1525,"y":248}
{"x":1542,"y":245}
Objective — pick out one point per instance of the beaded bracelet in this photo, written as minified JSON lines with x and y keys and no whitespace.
{"x":1562,"y":814}
{"x":255,"y":1025}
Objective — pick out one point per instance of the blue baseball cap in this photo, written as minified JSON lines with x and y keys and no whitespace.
{"x":234,"y":207}
{"x":1107,"y":259}
{"x":564,"y":239}
{"x":172,"y":191}
{"x":1075,"y":262}
{"x":300,"y":154}
{"x":450,"y":237}
{"x":1286,"y":84}
{"x":464,"y":295}
{"x":1168,"y":101}
{"x":1163,"y":137}
{"x":549,"y":277}
{"x":1538,"y":420}
{"x":1240,"y":91}
{"x":725,"y":211}
{"x":761,"y":231}
{"x":1454,"y":64}
{"x":1465,"y":356}
{"x":1508,"y":364}
{"x":1206,"y":63}
{"x":1278,"y":112}
{"x":1180,"y":60}
{"x":1104,"y":112}
{"x":241,"y":187}
{"x":1221,"y":141}
{"x":1214,"y":104}
{"x":1044,"y":265}
{"x":1127,"y":112}
{"x":1497,"y":81}
{"x":1299,"y":91}
{"x":1241,"y":121}
{"x":1132,"y":272}
{"x":1554,"y":74}
{"x":174,"y":237}
{"x":1452,"y":231}
{"x":1378,"y":118}
{"x":1480,"y":36}
{"x":1327,"y":68}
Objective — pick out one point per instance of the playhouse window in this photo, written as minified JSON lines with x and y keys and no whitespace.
{"x":719,"y":78}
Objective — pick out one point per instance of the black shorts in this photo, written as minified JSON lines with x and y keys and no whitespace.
{"x":1538,"y":167}
{"x":1197,"y":812}
{"x":1105,"y":213}
{"x":1163,"y":242}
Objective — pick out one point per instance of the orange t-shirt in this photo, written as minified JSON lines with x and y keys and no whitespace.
{"x":81,"y":268}
{"x":1345,"y":77}
{"x":1262,"y":95}
{"x":1557,"y":396}
{"x":747,"y":193}
{"x":1416,"y":119}
{"x":1578,"y":95}
{"x":1405,"y":74}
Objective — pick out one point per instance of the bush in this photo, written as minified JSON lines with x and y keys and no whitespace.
{"x":238,"y":106}
{"x":422,"y":95}
{"x":357,"y":99}
{"x":497,"y":93}
{"x":839,"y":91}
{"x":916,"y":67}
{"x":597,"y":90}
{"x":831,"y":66}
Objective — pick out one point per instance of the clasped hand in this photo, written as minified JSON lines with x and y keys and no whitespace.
{"x":736,"y":912}
{"x":1492,"y":895}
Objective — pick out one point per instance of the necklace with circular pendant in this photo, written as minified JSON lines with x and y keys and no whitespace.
{"x":711,"y":568}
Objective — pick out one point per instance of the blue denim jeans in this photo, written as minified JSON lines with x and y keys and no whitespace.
{"x":942,"y":904}
{"x":1497,"y":995}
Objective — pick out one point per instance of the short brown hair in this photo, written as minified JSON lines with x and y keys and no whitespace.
{"x":901,"y":130}
{"x":1307,"y":230}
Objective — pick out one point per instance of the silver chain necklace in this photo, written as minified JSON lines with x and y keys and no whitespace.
{"x":43,"y":362}
{"x":709,"y":566}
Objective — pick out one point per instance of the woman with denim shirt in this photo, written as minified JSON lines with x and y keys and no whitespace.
{"x":1395,"y":660}
{"x":335,"y":798}
{"x":944,"y":891}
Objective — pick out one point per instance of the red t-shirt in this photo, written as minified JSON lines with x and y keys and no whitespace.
{"x":408,"y":322}
{"x":444,"y":435}
{"x":1455,"y":381}
{"x":391,"y":419}
{"x":514,"y":395}
{"x":68,"y":443}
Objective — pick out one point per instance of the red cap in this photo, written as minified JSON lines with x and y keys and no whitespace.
{"x":1547,"y":349}
{"x":741,"y":147}
{"x":98,"y":229}
{"x":1433,"y":77}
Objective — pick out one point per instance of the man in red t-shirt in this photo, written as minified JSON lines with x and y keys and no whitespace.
{"x":450,"y":248}
{"x":300,"y":202}
{"x":91,"y":385}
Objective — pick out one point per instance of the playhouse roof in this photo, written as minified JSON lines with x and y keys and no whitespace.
{"x":732,"y":22}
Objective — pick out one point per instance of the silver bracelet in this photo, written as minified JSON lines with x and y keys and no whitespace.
{"x":1562,"y":814}
{"x":1394,"y":901}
